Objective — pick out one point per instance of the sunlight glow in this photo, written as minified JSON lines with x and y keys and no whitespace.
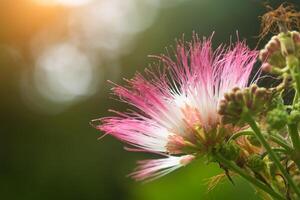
{"x":63,"y":2}
{"x":73,"y":54}
{"x":64,"y":73}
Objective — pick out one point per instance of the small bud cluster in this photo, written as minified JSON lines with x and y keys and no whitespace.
{"x":277,"y":118}
{"x":256,"y":163}
{"x":230,"y":150}
{"x":254,"y":99}
{"x":267,"y":145}
{"x":294,"y":117}
{"x":271,"y":55}
{"x":275,"y":51}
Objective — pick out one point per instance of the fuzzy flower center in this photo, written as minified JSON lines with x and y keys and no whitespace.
{"x":195,"y":136}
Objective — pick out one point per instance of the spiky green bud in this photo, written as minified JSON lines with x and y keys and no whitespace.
{"x":256,"y":163}
{"x":230,"y":150}
{"x":277,"y":118}
{"x":294,"y":117}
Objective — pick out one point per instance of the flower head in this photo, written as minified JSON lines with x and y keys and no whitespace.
{"x":176,"y":105}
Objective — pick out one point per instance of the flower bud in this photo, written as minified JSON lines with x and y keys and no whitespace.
{"x":296,"y":37}
{"x":263,"y":54}
{"x":255,"y":99}
{"x":278,"y":49}
{"x":230,"y":150}
{"x":287,"y":43}
{"x":294,"y":117}
{"x":297,"y":106}
{"x":256,"y":163}
{"x":277,"y":118}
{"x":266,"y":67}
{"x":273,"y":45}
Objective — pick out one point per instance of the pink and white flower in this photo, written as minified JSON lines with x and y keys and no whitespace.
{"x":176,"y":106}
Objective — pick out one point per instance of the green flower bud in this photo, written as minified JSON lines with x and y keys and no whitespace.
{"x":277,"y":118}
{"x":256,"y":163}
{"x":256,"y":100}
{"x":230,"y":150}
{"x":294,"y":117}
{"x":279,"y":51}
{"x":287,"y":43}
{"x":297,"y":106}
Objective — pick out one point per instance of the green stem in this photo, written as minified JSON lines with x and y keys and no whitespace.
{"x":293,"y":131}
{"x":297,"y":162}
{"x":239,"y":134}
{"x":274,"y":138}
{"x":281,"y":143}
{"x":295,"y":100}
{"x":293,"y":64}
{"x":294,"y":134}
{"x":279,"y":150}
{"x":296,"y":78}
{"x":271,"y":153}
{"x":233,"y":167}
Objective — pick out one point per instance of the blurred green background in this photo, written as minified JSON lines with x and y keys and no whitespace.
{"x":48,"y":149}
